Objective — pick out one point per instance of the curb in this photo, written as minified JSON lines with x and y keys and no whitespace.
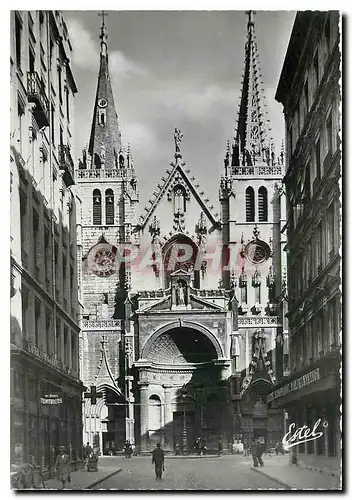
{"x":284,"y":485}
{"x":102,"y":479}
{"x":190,"y":457}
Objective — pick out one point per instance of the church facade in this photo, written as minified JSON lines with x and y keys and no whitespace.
{"x":183,"y":334}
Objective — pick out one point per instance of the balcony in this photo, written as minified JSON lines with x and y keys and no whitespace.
{"x":66,"y":164}
{"x":36,"y":95}
{"x":105,"y":324}
{"x":274,"y":171}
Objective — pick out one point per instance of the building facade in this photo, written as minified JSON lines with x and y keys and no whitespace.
{"x":182,"y":332}
{"x":310,"y":93}
{"x":45,"y":386}
{"x":253,"y":236}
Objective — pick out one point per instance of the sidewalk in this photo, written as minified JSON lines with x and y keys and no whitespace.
{"x":293,"y":477}
{"x":84,"y":480}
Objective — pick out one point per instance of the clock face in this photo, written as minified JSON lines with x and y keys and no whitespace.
{"x":257,"y":252}
{"x":104,"y":262}
{"x":102,"y":103}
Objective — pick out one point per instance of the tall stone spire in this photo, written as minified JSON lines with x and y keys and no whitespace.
{"x":105,"y":147}
{"x":250,"y":145}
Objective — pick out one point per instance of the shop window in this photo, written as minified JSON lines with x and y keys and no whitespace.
{"x":332,"y":421}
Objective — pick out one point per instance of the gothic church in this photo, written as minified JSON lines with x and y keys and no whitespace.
{"x":183,"y":330}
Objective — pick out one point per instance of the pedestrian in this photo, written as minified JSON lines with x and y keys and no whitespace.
{"x":158,"y":460}
{"x":177,"y":449}
{"x":128,"y":449}
{"x":88,"y":450}
{"x":279,"y":448}
{"x":259,"y":452}
{"x":197,"y":446}
{"x":203,"y":447}
{"x":256,"y":452}
{"x":219,"y":447}
{"x":62,"y":465}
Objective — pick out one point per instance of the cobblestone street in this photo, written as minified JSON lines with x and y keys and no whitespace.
{"x":224,"y":473}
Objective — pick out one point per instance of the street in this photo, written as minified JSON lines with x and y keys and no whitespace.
{"x":230,"y":472}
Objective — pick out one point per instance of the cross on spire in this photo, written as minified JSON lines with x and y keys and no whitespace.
{"x":103,"y":14}
{"x":103,"y":35}
{"x":250,"y":14}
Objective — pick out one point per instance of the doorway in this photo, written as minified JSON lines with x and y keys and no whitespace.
{"x":183,"y":427}
{"x":109,"y":447}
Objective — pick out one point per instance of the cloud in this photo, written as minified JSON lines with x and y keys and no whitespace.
{"x":198,"y":102}
{"x":86,"y":54}
{"x":140,"y":137}
{"x":119,"y":65}
{"x":85,"y":49}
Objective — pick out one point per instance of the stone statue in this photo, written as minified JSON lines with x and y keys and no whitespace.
{"x":102,"y":153}
{"x":178,"y":138}
{"x":180,"y":295}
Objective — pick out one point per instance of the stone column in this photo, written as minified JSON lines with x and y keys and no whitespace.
{"x":168,"y":418}
{"x":130,"y":411}
{"x":144,"y":415}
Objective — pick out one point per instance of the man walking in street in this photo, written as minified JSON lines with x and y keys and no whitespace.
{"x":158,"y":460}
{"x":63,"y":466}
{"x":257,"y":452}
{"x":88,"y":450}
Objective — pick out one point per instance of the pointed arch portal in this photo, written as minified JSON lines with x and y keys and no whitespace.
{"x":105,"y":426}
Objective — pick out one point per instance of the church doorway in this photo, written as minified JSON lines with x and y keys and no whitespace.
{"x":109,"y":446}
{"x":184,"y":429}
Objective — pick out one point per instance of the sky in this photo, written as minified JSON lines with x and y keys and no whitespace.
{"x":176,"y":69}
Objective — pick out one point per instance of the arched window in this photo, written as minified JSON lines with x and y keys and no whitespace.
{"x":155,"y":422}
{"x":102,"y":117}
{"x":174,"y":252}
{"x":109,"y":207}
{"x":263,"y":204}
{"x":249,"y":204}
{"x":179,"y":199}
{"x":96,"y":207}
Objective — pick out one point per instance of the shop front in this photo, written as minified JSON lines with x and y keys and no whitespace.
{"x":312,"y":398}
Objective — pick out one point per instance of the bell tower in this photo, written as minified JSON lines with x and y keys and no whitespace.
{"x":108,"y":189}
{"x":253,"y":214}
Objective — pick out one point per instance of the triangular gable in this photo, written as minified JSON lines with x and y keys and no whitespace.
{"x":259,"y":369}
{"x":104,"y":374}
{"x":154,"y":305}
{"x":180,"y":272}
{"x":208,"y":305}
{"x":162,"y":189}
